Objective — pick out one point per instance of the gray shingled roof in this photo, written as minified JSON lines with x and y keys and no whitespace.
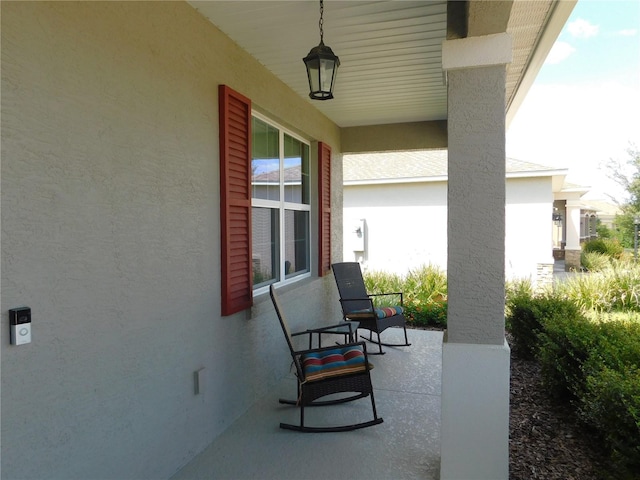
{"x":413,"y":165}
{"x":291,"y":174}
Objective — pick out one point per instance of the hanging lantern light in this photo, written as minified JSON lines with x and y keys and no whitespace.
{"x":322,"y":67}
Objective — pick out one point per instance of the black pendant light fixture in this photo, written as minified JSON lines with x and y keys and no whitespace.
{"x":322,"y":67}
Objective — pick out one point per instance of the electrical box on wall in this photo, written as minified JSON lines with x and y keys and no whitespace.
{"x":20,"y":323}
{"x":358,"y":236}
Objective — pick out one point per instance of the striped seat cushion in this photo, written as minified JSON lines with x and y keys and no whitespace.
{"x":382,"y":312}
{"x":334,"y":362}
{"x":385,"y":312}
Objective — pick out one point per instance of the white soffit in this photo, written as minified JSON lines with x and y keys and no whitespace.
{"x":390,"y":51}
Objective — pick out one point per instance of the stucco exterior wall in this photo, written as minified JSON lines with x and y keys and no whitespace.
{"x":406,"y":225}
{"x":528,"y":225}
{"x":110,"y":233}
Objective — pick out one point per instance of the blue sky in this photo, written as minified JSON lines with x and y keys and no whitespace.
{"x":584,"y":107}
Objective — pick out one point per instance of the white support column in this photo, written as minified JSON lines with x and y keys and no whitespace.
{"x":572,"y":249}
{"x":475,"y":359}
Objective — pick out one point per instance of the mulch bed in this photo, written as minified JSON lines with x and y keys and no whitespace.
{"x":545,"y":439}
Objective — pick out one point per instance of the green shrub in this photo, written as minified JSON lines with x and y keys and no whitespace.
{"x":425,"y":284}
{"x":605,"y":246}
{"x":516,"y":291}
{"x":596,"y":365}
{"x":424,"y":292}
{"x":382,"y":282}
{"x":433,"y":313}
{"x":614,"y":289}
{"x":611,"y":405}
{"x":527,"y":316}
{"x":595,"y":261}
{"x":611,"y":399}
{"x":565,"y":346}
{"x":618,"y":346}
{"x":626,"y":316}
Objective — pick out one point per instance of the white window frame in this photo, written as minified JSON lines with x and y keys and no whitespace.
{"x":281,"y":205}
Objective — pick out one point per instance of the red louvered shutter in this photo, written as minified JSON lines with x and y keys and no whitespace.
{"x":235,"y":200}
{"x":324,"y":203}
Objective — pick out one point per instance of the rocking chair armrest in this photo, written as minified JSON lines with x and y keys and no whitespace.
{"x":295,"y":334}
{"x":356,"y":299}
{"x":305,"y":332}
{"x":330,"y":327}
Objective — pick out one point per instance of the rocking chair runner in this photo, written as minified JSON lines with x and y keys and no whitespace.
{"x":327,"y":371}
{"x":358,"y":305}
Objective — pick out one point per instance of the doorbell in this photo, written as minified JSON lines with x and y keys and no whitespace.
{"x":20,"y":321}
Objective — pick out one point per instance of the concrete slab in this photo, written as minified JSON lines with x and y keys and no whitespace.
{"x":406,"y":384}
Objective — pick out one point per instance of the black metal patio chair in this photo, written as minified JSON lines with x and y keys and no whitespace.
{"x":358,"y":305}
{"x":341,"y":369}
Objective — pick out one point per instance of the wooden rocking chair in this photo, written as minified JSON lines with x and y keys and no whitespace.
{"x":327,"y":371}
{"x":357,"y":305}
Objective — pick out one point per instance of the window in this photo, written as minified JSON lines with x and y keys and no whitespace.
{"x":280,"y":206}
{"x":264,"y":203}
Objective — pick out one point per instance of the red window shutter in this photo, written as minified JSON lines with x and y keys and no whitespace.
{"x":324,"y":206}
{"x":235,"y":200}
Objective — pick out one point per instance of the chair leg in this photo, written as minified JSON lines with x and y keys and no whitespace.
{"x":373,"y":406}
{"x":406,"y":339}
{"x":367,"y":390}
{"x":381,"y":343}
{"x":341,"y":428}
{"x":324,"y":403}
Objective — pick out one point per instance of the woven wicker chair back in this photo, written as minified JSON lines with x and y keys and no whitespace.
{"x":350,"y":282}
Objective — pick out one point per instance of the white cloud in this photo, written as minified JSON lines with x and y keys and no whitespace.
{"x":578,"y":127}
{"x":630,"y":32}
{"x":559,"y":52}
{"x":582,"y":29}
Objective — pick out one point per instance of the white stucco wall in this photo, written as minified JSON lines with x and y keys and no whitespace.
{"x":406,"y":225}
{"x":529,"y":229}
{"x":110,"y":233}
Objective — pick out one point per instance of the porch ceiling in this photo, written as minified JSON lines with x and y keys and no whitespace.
{"x":390,"y":51}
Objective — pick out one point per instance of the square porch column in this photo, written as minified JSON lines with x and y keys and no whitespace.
{"x":572,"y":247}
{"x":476,"y":357}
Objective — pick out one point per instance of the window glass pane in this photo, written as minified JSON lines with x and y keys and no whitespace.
{"x":296,"y":242}
{"x":265,"y":161}
{"x":265,"y":245}
{"x":296,"y":170}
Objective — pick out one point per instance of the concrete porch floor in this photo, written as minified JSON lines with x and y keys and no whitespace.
{"x":406,"y":384}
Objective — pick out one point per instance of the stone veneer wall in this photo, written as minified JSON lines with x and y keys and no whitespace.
{"x":571,"y":260}
{"x":544,"y":275}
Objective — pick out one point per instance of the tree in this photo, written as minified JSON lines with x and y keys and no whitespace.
{"x":602,"y":230}
{"x":627,"y":174}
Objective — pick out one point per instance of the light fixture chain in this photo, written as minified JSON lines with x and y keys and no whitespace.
{"x":320,"y":23}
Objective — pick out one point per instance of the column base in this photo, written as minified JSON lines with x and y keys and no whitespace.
{"x":572,"y":260}
{"x":475,"y":412}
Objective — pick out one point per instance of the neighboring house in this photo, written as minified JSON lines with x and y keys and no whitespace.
{"x":575,"y":221}
{"x":130,"y":227}
{"x":605,"y":211}
{"x":395,"y":212}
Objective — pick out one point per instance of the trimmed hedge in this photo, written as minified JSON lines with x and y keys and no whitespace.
{"x":593,"y":364}
{"x":611,"y":405}
{"x":527,"y":316}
